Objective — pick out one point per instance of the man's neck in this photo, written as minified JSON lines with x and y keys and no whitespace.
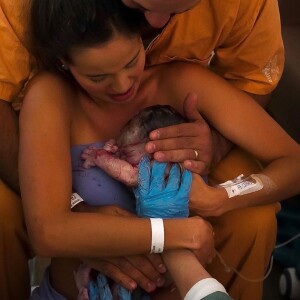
{"x":149,"y":34}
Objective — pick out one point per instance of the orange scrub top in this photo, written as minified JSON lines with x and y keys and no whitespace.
{"x":15,"y":61}
{"x":240,"y":40}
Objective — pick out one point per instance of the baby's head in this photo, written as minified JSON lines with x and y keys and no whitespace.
{"x":134,"y":135}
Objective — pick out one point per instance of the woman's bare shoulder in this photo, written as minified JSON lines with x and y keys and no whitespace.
{"x":180,"y":74}
{"x":181,"y":68}
{"x":176,"y":79}
{"x":48,"y":85}
{"x":48,"y":93}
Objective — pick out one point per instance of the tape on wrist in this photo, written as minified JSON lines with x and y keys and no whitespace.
{"x":158,"y":235}
{"x":75,"y":199}
{"x":242,"y":185}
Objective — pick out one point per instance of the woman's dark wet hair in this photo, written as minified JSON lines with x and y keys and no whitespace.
{"x":59,"y":25}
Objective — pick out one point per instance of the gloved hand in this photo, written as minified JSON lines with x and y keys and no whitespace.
{"x":156,"y":198}
{"x":100,"y":290}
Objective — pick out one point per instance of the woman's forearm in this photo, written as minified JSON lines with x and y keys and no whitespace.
{"x":101,"y":235}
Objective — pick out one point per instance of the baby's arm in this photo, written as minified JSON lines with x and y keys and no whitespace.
{"x":106,"y":159}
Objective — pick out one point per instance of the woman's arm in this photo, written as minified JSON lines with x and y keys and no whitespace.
{"x":46,"y":186}
{"x":239,"y":119}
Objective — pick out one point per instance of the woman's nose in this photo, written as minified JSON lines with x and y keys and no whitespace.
{"x":121,"y":83}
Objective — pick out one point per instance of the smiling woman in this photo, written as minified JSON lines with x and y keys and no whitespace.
{"x":114,"y":79}
{"x":102,"y":82}
{"x":66,"y":110}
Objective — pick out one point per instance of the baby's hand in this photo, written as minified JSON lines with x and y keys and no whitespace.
{"x":82,"y":278}
{"x":89,"y":156}
{"x":83,"y":294}
{"x":111,"y":146}
{"x":94,"y":156}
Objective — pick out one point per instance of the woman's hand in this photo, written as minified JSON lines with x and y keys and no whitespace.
{"x":190,"y":143}
{"x":132,"y":271}
{"x":207,"y":201}
{"x":145,"y":271}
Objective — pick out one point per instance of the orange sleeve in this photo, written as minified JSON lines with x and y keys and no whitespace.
{"x":14,"y":56}
{"x":252,"y":56}
{"x":240,"y":40}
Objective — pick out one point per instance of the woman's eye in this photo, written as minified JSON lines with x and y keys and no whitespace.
{"x":97,"y":79}
{"x":132,"y":64}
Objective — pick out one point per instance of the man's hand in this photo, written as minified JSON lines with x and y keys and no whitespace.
{"x":208,"y":201}
{"x":204,"y":238}
{"x":145,"y":271}
{"x":190,"y":143}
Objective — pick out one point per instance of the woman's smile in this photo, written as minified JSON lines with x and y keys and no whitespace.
{"x":124,"y":97}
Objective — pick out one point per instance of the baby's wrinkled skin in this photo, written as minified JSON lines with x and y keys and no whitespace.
{"x":112,"y":157}
{"x":119,"y":158}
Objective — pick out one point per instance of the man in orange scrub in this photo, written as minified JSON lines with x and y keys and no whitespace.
{"x":238,"y":39}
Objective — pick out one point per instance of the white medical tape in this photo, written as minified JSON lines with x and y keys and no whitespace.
{"x":75,"y":199}
{"x":157,"y":235}
{"x":240,"y":186}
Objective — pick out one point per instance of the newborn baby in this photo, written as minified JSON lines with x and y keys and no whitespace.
{"x":119,"y":158}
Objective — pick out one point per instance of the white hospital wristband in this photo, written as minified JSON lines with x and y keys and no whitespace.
{"x":75,"y":199}
{"x":158,"y":235}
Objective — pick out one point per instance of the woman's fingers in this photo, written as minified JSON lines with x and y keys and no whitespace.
{"x":131,"y":271}
{"x":184,"y":142}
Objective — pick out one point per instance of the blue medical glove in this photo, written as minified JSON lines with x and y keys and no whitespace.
{"x":99,"y":290}
{"x":159,"y":199}
{"x":123,"y":293}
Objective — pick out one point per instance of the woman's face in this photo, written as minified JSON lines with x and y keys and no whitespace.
{"x":112,"y":71}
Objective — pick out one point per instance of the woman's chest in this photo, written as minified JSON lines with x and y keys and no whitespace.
{"x":92,"y":123}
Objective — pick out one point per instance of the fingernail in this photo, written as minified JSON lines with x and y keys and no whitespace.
{"x":151,"y":287}
{"x":159,"y":156}
{"x":154,"y":135}
{"x":160,"y":282}
{"x":187,"y":163}
{"x":132,"y":285}
{"x":150,"y":148}
{"x":162,"y":268}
